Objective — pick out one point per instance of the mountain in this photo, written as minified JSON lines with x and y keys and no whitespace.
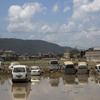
{"x":31,"y":46}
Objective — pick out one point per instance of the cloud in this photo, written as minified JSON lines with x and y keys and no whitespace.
{"x":82,"y":28}
{"x":67,"y":9}
{"x":24,"y":27}
{"x":67,"y":27}
{"x":49,"y":28}
{"x":55,"y":8}
{"x":79,"y":29}
{"x":50,"y":38}
{"x":31,"y":37}
{"x":45,"y":28}
{"x":20,"y":17}
{"x":84,"y":18}
{"x":92,"y":7}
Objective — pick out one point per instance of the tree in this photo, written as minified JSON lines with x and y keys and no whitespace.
{"x":74,"y":53}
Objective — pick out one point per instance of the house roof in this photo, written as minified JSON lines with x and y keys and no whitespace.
{"x":94,"y":49}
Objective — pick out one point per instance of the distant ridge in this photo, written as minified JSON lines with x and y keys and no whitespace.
{"x":31,"y":46}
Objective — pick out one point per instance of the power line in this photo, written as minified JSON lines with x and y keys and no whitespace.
{"x":3,"y":30}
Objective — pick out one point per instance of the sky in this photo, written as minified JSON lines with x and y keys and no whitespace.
{"x":73,"y":23}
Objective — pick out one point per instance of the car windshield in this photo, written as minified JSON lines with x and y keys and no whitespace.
{"x":34,"y":68}
{"x":19,"y":69}
{"x":82,"y":67}
{"x":54,"y":62}
{"x":69,"y":66}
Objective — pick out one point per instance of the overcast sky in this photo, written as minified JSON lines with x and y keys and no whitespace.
{"x":64,"y":22}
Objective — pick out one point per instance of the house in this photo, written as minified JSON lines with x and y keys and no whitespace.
{"x":30,"y":57}
{"x":9,"y":55}
{"x":93,"y":54}
{"x":67,"y":55}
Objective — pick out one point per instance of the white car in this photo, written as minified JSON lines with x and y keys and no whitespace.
{"x":97,"y":69}
{"x":53,"y":64}
{"x":35,"y":70}
{"x":21,"y":73}
{"x":13,"y":64}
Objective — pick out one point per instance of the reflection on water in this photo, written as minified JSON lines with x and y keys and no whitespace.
{"x":53,"y":86}
{"x":2,"y":79}
{"x":83,"y":79}
{"x":20,"y":91}
{"x":35,"y":79}
{"x":54,"y":80}
{"x":97,"y":79}
{"x":69,"y":80}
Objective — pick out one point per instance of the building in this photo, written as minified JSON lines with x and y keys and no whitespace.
{"x":9,"y":55}
{"x":67,"y":55}
{"x":29,"y":57}
{"x":93,"y":54}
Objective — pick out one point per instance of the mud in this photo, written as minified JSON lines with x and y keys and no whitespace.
{"x":53,"y":86}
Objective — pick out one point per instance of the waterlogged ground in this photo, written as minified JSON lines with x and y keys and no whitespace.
{"x":53,"y":86}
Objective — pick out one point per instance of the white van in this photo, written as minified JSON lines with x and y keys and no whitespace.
{"x":68,"y":67}
{"x":21,"y":73}
{"x":53,"y":64}
{"x":1,"y":65}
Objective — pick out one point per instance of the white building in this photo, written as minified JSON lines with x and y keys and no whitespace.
{"x":93,"y":54}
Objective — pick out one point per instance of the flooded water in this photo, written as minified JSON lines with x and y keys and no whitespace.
{"x":52,"y":87}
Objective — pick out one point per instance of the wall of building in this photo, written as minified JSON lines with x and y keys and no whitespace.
{"x":93,"y":56}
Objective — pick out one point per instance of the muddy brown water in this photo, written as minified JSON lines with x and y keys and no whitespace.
{"x":52,"y":87}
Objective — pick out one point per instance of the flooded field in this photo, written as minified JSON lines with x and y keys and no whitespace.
{"x":53,"y":86}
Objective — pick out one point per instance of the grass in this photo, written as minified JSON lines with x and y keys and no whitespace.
{"x":44,"y":64}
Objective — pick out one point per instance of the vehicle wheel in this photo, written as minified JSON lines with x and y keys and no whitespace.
{"x":88,"y":71}
{"x":13,"y":81}
{"x":29,"y":80}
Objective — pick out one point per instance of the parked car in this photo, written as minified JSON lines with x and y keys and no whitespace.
{"x":21,"y":73}
{"x":53,"y":64}
{"x":68,"y":67}
{"x":97,"y":69}
{"x":2,"y":66}
{"x":35,"y":70}
{"x":82,"y":68}
{"x":13,"y":64}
